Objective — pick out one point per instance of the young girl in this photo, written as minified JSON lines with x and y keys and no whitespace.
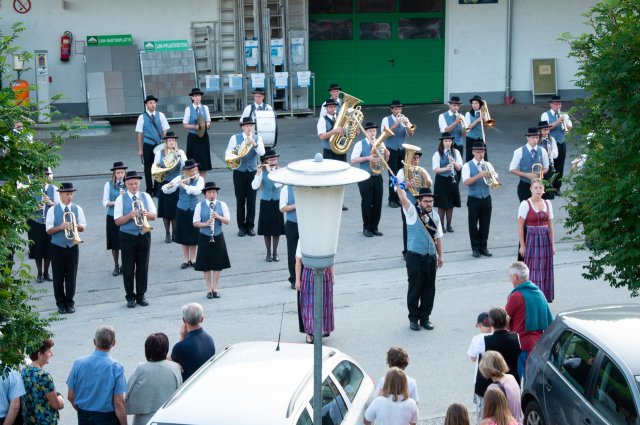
{"x":167,"y":202}
{"x":39,"y":248}
{"x":446,"y":164}
{"x":212,"y":254}
{"x":270,"y":220}
{"x":495,"y":410}
{"x":457,"y":414}
{"x":112,"y":189}
{"x":198,"y":147}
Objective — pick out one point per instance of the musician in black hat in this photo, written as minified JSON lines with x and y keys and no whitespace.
{"x":474,"y":120}
{"x":208,"y":217}
{"x":371,"y":190}
{"x":198,"y":145}
{"x":402,"y":129}
{"x":559,"y":124}
{"x":64,"y":223}
{"x":288,"y":209}
{"x":523,"y":160}
{"x":112,"y":189}
{"x":168,"y":202}
{"x":150,"y":127}
{"x":243,"y":175}
{"x":549,"y":144}
{"x":452,"y":122}
{"x":258,"y":104}
{"x":446,"y":163}
{"x":424,"y":255}
{"x":40,"y":241}
{"x":334,"y":94}
{"x":135,"y":239}
{"x":326,"y":129}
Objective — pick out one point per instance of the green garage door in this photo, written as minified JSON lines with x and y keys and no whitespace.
{"x":378,"y":50}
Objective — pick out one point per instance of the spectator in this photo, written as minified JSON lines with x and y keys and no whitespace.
{"x":476,"y":348}
{"x":393,"y":406}
{"x":493,"y":367}
{"x":503,"y":341}
{"x":11,"y":389}
{"x":196,"y":345}
{"x":495,"y":410}
{"x":97,"y":384}
{"x":457,"y":414}
{"x":41,"y":402}
{"x":398,"y":357}
{"x":153,"y":382}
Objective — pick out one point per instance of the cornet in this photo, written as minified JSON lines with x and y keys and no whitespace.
{"x":140,"y":219}
{"x":71,"y":229}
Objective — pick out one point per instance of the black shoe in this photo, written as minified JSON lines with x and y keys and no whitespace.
{"x":71,"y":309}
{"x":131,"y":303}
{"x":444,"y":229}
{"x":116,"y":271}
{"x":558,"y":192}
{"x":275,"y":258}
{"x":241,"y":233}
{"x":476,"y":253}
{"x":143,"y":302}
{"x":269,"y":259}
{"x":377,"y":233}
{"x":48,"y":278}
{"x":167,"y":238}
{"x":394,"y":204}
{"x":184,"y":265}
{"x":210,"y":295}
{"x":293,"y":285}
{"x":486,"y":253}
{"x":414,"y":326}
{"x":344,"y":208}
{"x":216,"y":295}
{"x":427,"y":325}
{"x":40,"y":279}
{"x":449,"y":229}
{"x":192,"y":264}
{"x":62,"y":310}
{"x":367,"y":233}
{"x":250,"y":232}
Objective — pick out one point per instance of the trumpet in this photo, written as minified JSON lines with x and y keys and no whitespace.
{"x":463,"y":122}
{"x":404,"y":121}
{"x":71,"y":230}
{"x":170,"y":185}
{"x":490,"y":179}
{"x":537,"y":169}
{"x":562,"y":125}
{"x":213,"y":221}
{"x":140,"y":219}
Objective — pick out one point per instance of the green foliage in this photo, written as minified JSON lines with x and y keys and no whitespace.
{"x":604,"y":198}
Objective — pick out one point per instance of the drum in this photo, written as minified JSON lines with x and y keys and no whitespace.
{"x":267,"y":128}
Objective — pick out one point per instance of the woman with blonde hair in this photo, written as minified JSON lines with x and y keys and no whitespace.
{"x":494,"y":367}
{"x":495,"y":410}
{"x":393,"y":406}
{"x":457,"y":414}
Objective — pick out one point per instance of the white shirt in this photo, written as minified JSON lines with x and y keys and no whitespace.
{"x":187,"y":113}
{"x":411,"y":215}
{"x":476,"y":347}
{"x":466,"y":170}
{"x":385,"y":123}
{"x":400,"y":176}
{"x":517,"y":156}
{"x":442,"y":123}
{"x":384,"y":411}
{"x":105,"y":194}
{"x":117,"y":207}
{"x":232,"y":144}
{"x":247,"y":110}
{"x":469,"y":119}
{"x":567,"y":120}
{"x":174,"y":184}
{"x":413,"y":388}
{"x":180,"y":152}
{"x":163,"y":121}
{"x":523,"y":210}
{"x":225,"y":211}
{"x":435,"y":159}
{"x":323,"y":108}
{"x":554,"y":146}
{"x":257,"y":180}
{"x":357,"y":149}
{"x":284,"y":197}
{"x":80,"y":219}
{"x":322,"y":124}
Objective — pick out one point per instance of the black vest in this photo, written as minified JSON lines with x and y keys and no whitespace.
{"x":506,"y":343}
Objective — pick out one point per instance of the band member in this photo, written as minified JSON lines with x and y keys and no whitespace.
{"x":208,"y":218}
{"x":112,"y":189}
{"x":474,"y":120}
{"x":244,"y":174}
{"x":452,"y":122}
{"x":523,"y":161}
{"x":151,"y":127}
{"x":371,"y":190}
{"x":401,"y":128}
{"x":131,"y":212}
{"x":258,"y":104}
{"x":168,"y":202}
{"x":198,"y":148}
{"x":326,"y":129}
{"x":549,"y":144}
{"x":288,"y":208}
{"x":446,"y":163}
{"x":40,"y":245}
{"x":189,"y":186}
{"x":559,"y":125}
{"x":334,"y":93}
{"x":64,"y":223}
{"x":424,"y":256}
{"x":478,"y":199}
{"x":270,"y":220}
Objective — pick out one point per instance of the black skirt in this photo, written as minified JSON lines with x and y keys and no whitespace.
{"x":167,"y":204}
{"x":113,"y":234}
{"x":198,"y":149}
{"x":185,"y":233}
{"x":211,"y":255}
{"x":270,"y":220}
{"x":40,"y":242}
{"x":447,"y":193}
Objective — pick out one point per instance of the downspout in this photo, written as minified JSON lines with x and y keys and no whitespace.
{"x":508,"y":99}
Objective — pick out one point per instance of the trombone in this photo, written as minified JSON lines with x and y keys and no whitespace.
{"x":486,"y":120}
{"x":140,"y":219}
{"x":71,"y":230}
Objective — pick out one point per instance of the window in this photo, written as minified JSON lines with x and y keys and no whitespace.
{"x":613,"y":397}
{"x":330,"y":6}
{"x":375,"y":30}
{"x":335,"y":29}
{"x":305,"y":418}
{"x":557,"y":352}
{"x":413,"y":28}
{"x":420,"y":6}
{"x":350,"y":378}
{"x":334,"y":409}
{"x":376,"y":6}
{"x":576,"y":360}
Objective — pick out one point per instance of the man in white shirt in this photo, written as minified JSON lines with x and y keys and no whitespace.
{"x":402,"y":129}
{"x":334,"y":94}
{"x":151,"y":128}
{"x":523,"y":161}
{"x":452,"y":122}
{"x":549,"y":144}
{"x":257,"y":105}
{"x":559,"y":124}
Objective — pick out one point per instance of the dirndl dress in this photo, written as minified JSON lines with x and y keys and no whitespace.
{"x":447,"y":193}
{"x":211,"y":255}
{"x":198,"y":149}
{"x":40,"y":241}
{"x":185,"y":233}
{"x":306,"y":301}
{"x":270,"y":220}
{"x":538,"y":255}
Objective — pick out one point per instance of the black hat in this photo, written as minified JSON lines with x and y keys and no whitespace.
{"x":258,"y":90}
{"x":196,"y":90}
{"x":48,"y":171}
{"x":478,"y":98}
{"x":419,"y":153}
{"x":543,"y":124}
{"x":483,"y":319}
{"x":170,"y":135}
{"x":66,"y":187}
{"x":209,"y":186}
{"x":119,"y":165}
{"x":445,"y":135}
{"x":246,"y":120}
{"x":396,"y":104}
{"x":555,"y":99}
{"x":132,"y":175}
{"x":330,"y":102}
{"x":369,"y":125}
{"x":479,"y":146}
{"x":532,"y":131}
{"x":455,"y":99}
{"x":334,"y":86}
{"x":150,"y":97}
{"x":425,"y":191}
{"x":270,"y":153}
{"x":189,"y":164}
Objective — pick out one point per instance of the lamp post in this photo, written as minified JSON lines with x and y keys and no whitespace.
{"x":318,"y":185}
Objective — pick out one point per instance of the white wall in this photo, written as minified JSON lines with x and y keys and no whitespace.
{"x":144,"y":20}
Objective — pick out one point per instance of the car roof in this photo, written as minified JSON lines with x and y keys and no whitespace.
{"x":615,"y":328}
{"x":260,"y":380}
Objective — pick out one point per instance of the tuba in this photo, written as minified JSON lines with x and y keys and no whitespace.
{"x":233,"y":158}
{"x":414,"y":175}
{"x":170,"y":160}
{"x":490,"y":179}
{"x":378,"y":167}
{"x":71,"y":231}
{"x":350,"y":118}
{"x":140,"y":219}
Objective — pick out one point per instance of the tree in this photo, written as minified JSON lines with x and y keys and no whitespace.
{"x":604,"y":201}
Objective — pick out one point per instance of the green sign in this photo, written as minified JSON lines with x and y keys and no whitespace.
{"x":165,"y":45}
{"x":110,"y":40}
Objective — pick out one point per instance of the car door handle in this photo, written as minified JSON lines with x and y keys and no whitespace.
{"x":586,"y":421}
{"x":546,"y":384}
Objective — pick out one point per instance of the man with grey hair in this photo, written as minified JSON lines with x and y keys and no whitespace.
{"x":196,"y":345}
{"x":97,"y":385}
{"x":528,"y":309}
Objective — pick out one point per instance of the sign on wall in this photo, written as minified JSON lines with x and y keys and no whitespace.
{"x":110,"y":40}
{"x":165,"y":45}
{"x":543,"y":77}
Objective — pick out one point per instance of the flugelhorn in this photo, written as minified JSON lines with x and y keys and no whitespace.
{"x":71,"y":230}
{"x":405,"y":122}
{"x":490,"y":179}
{"x":463,"y":122}
{"x":140,"y":219}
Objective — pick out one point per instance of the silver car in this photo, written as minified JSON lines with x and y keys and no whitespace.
{"x":585,"y":370}
{"x":252,"y":383}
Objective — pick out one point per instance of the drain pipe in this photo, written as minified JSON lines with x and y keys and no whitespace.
{"x":508,"y":99}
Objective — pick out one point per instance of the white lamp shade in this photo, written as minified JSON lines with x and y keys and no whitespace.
{"x":18,"y":63}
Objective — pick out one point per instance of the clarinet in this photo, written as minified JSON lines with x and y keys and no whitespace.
{"x":550,"y":153}
{"x":213,"y":222}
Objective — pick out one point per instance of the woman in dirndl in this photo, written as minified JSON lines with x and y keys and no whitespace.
{"x":304,"y":285}
{"x":40,"y":241}
{"x":537,"y":247}
{"x":112,"y":189}
{"x":208,"y":219}
{"x":270,"y":220}
{"x":189,"y":186}
{"x":169,"y":154}
{"x":446,"y":164}
{"x":198,"y":147}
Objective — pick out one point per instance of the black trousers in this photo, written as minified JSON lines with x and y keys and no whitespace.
{"x":479,"y":221}
{"x":395,"y":163}
{"x":64,"y":265}
{"x":245,"y":199}
{"x":291,"y":232}
{"x":460,"y":149}
{"x":470,"y":142}
{"x":135,"y":252}
{"x":328,"y":154}
{"x":147,"y":158}
{"x":421,"y":271}
{"x":404,"y":231}
{"x":86,"y":417}
{"x":558,"y":164}
{"x":524,"y":191}
{"x":371,"y":203}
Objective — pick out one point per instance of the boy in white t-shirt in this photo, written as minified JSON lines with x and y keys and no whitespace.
{"x":476,"y":348}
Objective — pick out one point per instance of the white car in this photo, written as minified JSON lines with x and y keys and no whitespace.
{"x":252,"y":383}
